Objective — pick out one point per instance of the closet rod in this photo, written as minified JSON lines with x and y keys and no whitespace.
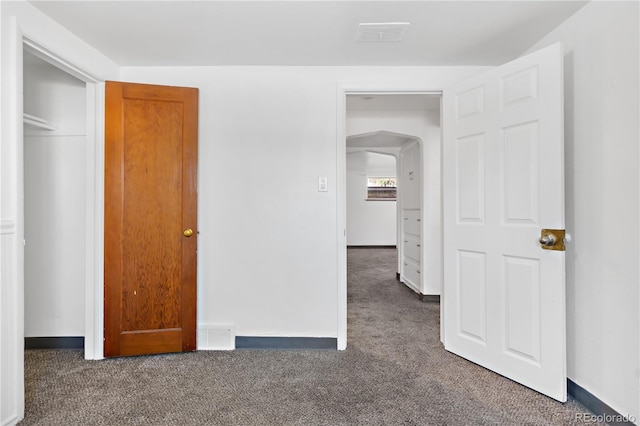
{"x":32,"y":120}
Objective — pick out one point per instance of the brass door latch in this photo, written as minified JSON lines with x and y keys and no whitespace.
{"x":552,"y":239}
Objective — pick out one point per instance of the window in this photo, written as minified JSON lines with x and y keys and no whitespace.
{"x":381,"y":189}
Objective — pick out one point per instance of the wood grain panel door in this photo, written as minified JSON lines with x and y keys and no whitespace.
{"x":151,"y":154}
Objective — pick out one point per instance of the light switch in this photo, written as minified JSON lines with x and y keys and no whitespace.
{"x":322,"y":184}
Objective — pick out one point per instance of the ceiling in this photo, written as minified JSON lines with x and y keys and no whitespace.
{"x":299,"y":32}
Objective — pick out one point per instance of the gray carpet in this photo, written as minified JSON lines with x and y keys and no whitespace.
{"x":395,"y":372}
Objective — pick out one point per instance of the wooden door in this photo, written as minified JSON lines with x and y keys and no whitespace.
{"x":504,"y":304}
{"x":151,"y":144}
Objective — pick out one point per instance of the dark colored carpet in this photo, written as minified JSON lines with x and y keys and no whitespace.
{"x":395,"y":372}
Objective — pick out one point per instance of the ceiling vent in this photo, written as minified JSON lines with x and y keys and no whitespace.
{"x":381,"y":32}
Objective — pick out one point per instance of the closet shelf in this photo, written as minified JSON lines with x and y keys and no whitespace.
{"x":34,"y":121}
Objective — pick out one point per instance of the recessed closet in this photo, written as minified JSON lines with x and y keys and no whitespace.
{"x":54,"y":201}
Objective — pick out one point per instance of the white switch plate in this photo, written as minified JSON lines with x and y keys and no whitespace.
{"x":322,"y":184}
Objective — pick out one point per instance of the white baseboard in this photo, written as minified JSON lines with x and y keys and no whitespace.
{"x":11,"y":421}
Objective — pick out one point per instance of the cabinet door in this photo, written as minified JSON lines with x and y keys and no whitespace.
{"x":411,"y":274}
{"x":410,"y":172}
{"x":412,"y":247}
{"x":412,"y":222}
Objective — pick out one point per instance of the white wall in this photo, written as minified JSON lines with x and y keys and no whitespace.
{"x":602,"y":200}
{"x":369,"y":223}
{"x":55,"y":200}
{"x":267,"y":252}
{"x":17,"y":18}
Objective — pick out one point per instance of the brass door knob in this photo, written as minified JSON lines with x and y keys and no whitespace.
{"x":552,"y":239}
{"x":547,"y":240}
{"x":188,"y":232}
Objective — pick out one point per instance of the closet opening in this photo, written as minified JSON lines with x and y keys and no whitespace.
{"x":55,"y":170}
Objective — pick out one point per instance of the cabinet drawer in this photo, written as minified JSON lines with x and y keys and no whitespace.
{"x":411,"y":274}
{"x":411,"y":246}
{"x":412,"y":222}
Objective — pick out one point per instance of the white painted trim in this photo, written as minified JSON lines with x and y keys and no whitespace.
{"x":98,"y":272}
{"x":94,"y":243}
{"x":7,"y":226}
{"x":13,"y":305}
{"x":341,"y":209}
{"x":17,"y":140}
{"x":47,"y":55}
{"x":342,"y":90}
{"x":399,"y":218}
{"x":442,"y":295}
{"x":89,"y":244}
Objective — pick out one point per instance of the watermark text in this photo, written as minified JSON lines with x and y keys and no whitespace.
{"x":603,"y":418}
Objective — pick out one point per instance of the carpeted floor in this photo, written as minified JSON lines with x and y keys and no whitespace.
{"x":394,"y":372}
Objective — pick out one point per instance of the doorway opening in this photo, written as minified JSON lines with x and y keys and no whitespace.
{"x":404,"y":127}
{"x":61,"y":173}
{"x":372,"y":189}
{"x":55,"y":139}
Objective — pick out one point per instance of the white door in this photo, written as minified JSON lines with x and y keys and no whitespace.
{"x":504,"y":295}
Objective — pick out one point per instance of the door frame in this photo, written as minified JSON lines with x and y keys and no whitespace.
{"x":342,"y":90}
{"x":94,"y":186}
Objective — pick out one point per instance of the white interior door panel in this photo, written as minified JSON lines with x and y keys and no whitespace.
{"x":503,"y":170}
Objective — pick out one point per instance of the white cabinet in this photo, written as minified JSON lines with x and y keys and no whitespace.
{"x":411,"y":249}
